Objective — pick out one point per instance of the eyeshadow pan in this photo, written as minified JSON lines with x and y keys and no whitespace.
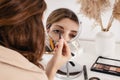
{"x":99,"y":66}
{"x":95,"y":65}
{"x":106,"y":68}
{"x":118,"y":69}
{"x":113,"y":68}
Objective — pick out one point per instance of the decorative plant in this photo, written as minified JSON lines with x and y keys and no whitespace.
{"x":93,"y":9}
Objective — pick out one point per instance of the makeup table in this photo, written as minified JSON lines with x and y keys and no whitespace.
{"x":87,"y":57}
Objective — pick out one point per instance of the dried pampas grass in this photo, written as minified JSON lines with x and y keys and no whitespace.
{"x":116,"y":10}
{"x":115,"y":14}
{"x":94,"y":8}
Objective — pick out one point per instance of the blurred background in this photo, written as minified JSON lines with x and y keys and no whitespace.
{"x":88,"y":30}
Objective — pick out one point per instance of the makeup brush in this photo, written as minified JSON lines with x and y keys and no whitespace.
{"x":72,"y":63}
{"x":52,"y":44}
{"x":85,"y":72}
{"x":60,"y":35}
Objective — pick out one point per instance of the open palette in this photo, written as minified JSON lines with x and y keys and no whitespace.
{"x":106,"y":65}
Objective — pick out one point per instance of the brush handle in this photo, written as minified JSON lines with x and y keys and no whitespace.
{"x":85,"y":72}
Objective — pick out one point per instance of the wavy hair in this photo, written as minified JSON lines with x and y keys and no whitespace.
{"x":60,"y":14}
{"x":21,"y":27}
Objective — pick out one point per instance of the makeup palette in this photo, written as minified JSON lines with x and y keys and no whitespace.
{"x":106,"y":65}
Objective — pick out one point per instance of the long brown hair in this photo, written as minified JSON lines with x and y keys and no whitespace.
{"x":21,"y":27}
{"x":60,"y":14}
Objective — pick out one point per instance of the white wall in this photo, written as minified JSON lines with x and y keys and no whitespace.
{"x":88,"y":32}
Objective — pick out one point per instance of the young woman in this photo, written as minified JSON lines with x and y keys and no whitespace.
{"x":22,"y":40}
{"x":64,"y":23}
{"x":61,"y":21}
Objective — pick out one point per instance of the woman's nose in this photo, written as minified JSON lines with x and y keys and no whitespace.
{"x":66,"y":37}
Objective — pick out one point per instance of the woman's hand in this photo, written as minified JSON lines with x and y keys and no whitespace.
{"x":61,"y":56}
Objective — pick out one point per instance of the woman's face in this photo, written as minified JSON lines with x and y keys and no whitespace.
{"x":67,"y":27}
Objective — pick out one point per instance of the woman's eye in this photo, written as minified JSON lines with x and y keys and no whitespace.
{"x":72,"y":36}
{"x":56,"y":31}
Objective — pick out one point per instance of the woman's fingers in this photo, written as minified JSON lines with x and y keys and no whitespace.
{"x":62,"y":48}
{"x":59,"y":46}
{"x":66,"y":49}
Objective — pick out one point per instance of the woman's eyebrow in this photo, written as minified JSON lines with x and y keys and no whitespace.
{"x":59,"y":26}
{"x":74,"y":31}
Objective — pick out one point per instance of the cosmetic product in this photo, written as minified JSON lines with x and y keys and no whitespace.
{"x":72,"y":63}
{"x":60,"y":35}
{"x":52,"y":44}
{"x":106,"y":65}
{"x":85,"y":72}
{"x":67,"y":67}
{"x":72,"y":54}
{"x":70,"y":70}
{"x":94,"y":78}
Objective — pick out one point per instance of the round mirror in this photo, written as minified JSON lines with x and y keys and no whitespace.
{"x":64,"y":23}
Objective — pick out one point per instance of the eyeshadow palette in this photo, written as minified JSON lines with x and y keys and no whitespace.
{"x":106,"y":65}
